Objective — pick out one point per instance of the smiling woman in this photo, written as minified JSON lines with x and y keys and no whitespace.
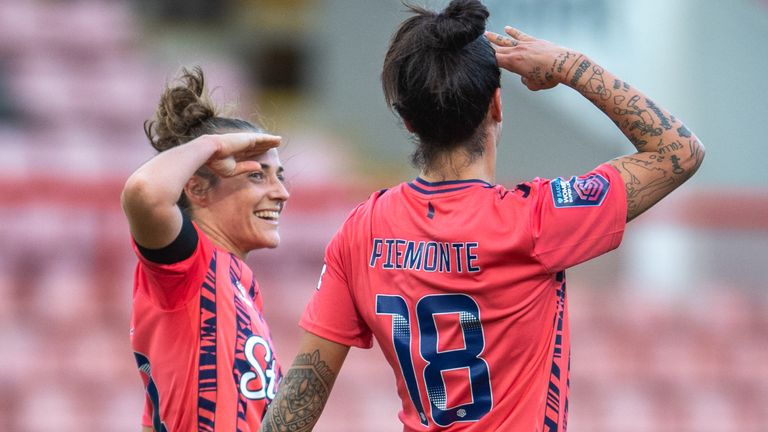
{"x":213,"y":193}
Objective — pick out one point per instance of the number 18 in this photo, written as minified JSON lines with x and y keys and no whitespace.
{"x":439,"y":361}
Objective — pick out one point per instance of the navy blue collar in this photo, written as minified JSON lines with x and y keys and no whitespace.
{"x":431,"y":188}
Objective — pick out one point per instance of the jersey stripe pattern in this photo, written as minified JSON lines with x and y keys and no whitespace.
{"x":202,"y":345}
{"x":462,"y":283}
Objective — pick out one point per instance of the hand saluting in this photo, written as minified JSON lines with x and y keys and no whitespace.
{"x":540,"y":63}
{"x":235,"y":152}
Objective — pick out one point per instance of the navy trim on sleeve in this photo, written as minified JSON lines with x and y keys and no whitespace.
{"x":181,"y":248}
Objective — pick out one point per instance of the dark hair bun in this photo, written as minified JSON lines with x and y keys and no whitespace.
{"x":183,"y":108}
{"x":460,"y":23}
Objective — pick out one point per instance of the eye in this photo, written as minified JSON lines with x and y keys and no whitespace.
{"x":281,"y":177}
{"x":256,"y":175}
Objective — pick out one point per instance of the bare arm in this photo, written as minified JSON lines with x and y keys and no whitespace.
{"x":150,"y":194}
{"x":668,"y":153}
{"x":304,"y":390}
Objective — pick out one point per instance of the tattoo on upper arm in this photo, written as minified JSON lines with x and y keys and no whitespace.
{"x":302,"y":395}
{"x":676,"y":168}
{"x":641,"y":195}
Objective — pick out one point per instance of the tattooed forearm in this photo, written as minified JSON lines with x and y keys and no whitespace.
{"x":594,"y":88}
{"x":660,"y":115}
{"x":583,"y":66}
{"x":663,"y":161}
{"x":638,"y":117}
{"x":303,"y":393}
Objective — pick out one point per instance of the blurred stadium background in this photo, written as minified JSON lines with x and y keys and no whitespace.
{"x":669,"y":332}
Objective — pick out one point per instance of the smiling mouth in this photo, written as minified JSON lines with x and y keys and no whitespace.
{"x":269,"y":215}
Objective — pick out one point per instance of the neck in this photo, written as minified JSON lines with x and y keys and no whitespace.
{"x":219,"y":239}
{"x":457,"y":165}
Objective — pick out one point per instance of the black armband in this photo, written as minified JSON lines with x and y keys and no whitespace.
{"x":181,"y":248}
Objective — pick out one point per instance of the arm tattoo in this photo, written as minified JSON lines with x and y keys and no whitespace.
{"x":302,"y":395}
{"x":672,"y":147}
{"x":683,"y":132}
{"x":583,"y":66}
{"x":638,"y":192}
{"x":595,"y":85}
{"x":696,"y":151}
{"x":638,"y":121}
{"x":662,"y":118}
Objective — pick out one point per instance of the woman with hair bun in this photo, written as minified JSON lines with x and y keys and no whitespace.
{"x":462,"y":281}
{"x":213,"y":193}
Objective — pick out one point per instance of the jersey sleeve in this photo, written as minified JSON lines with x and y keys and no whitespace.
{"x":575,"y":220}
{"x":169,"y":283}
{"x":331,"y":312}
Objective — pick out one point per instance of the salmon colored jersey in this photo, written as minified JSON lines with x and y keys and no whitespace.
{"x":201,"y":343}
{"x":462,"y":284}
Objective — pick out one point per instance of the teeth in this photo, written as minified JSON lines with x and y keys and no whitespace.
{"x":267,"y":214}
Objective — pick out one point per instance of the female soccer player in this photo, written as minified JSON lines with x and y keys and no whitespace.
{"x":462,"y":281}
{"x":213,"y":193}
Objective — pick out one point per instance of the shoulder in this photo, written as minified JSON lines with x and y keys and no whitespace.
{"x":191,"y":248}
{"x":364,"y":209}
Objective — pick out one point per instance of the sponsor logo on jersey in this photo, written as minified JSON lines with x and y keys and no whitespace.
{"x":588,"y":191}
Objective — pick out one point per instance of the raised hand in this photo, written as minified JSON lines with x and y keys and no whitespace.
{"x":235,"y":152}
{"x":540,"y":63}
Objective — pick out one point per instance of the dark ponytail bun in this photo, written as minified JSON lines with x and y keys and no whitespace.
{"x":440,"y":75}
{"x":182,"y":111}
{"x":460,"y":23}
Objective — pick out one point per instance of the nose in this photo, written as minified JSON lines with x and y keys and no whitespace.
{"x":279,"y":192}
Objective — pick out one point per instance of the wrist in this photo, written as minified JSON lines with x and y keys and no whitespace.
{"x":574,"y":68}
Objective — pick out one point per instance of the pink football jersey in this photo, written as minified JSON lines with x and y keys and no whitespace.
{"x":462,"y":283}
{"x":201,"y":343}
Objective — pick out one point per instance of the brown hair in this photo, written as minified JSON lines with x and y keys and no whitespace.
{"x":185,"y":112}
{"x":439,"y":75}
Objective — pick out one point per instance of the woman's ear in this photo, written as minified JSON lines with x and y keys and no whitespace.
{"x":495,"y":107}
{"x":408,"y":125}
{"x":196,"y":190}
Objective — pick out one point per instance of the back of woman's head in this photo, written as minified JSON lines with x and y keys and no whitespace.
{"x":185,"y":112}
{"x":440,"y":75}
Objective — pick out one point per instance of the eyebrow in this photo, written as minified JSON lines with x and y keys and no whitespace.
{"x":267,"y":166}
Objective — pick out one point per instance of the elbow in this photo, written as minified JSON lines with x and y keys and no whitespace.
{"x":137,"y":193}
{"x":696,"y":155}
{"x":687,"y":160}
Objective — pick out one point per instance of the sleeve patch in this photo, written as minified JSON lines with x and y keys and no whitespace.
{"x":587,"y":191}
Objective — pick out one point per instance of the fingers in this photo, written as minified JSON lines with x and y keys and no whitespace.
{"x":229,"y":167}
{"x":500,"y":40}
{"x":246,"y":166}
{"x":516,"y":34}
{"x":244,"y":144}
{"x":243,"y":140}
